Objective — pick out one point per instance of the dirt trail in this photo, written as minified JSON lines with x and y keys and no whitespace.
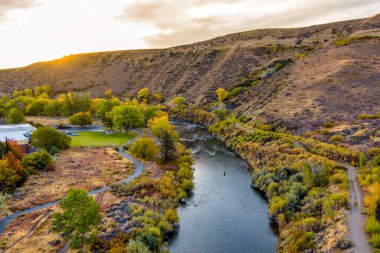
{"x":356,"y":217}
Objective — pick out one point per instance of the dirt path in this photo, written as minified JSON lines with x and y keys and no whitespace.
{"x":356,"y":217}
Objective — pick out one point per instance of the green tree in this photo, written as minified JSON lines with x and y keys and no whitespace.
{"x":79,"y":219}
{"x":46,"y":88}
{"x":3,"y":113}
{"x":145,"y":148}
{"x":222,"y":94}
{"x":52,"y":108}
{"x":37,"y":107}
{"x":37,"y":160}
{"x":15,"y":116}
{"x":38,"y":91}
{"x":47,"y":137}
{"x":149,"y":113}
{"x":127,"y":117}
{"x":362,"y":160}
{"x":81,"y":119}
{"x":143,"y":94}
{"x":104,"y":111}
{"x":162,"y":129}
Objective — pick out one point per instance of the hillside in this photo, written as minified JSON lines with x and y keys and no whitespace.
{"x":298,"y":76}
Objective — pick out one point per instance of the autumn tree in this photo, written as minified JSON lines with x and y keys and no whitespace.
{"x":108,"y":93}
{"x":164,"y":131}
{"x":81,"y":119}
{"x":143,"y":94}
{"x":145,"y":148}
{"x":179,"y":102}
{"x":15,"y":116}
{"x":127,"y":117}
{"x":79,"y":219}
{"x":104,"y":111}
{"x":222,"y":94}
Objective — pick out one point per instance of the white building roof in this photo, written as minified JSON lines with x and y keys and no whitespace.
{"x":15,"y":132}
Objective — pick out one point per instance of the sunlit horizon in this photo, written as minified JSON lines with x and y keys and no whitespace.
{"x":43,"y":30}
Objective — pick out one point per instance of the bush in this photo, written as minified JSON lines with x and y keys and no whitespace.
{"x":374,"y":151}
{"x":328,"y":124}
{"x":137,"y":247}
{"x":336,"y":138}
{"x":15,"y":116}
{"x":145,"y":148}
{"x":47,"y":137}
{"x":37,"y":160}
{"x":375,"y":240}
{"x":187,"y":185}
{"x":376,"y":160}
{"x":53,"y":150}
{"x":81,"y":119}
{"x":372,"y":226}
{"x":8,"y":177}
{"x":171,"y":215}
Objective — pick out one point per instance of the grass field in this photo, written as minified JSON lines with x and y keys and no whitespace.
{"x":100,"y":139}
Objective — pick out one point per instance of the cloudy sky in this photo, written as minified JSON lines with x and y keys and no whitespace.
{"x":38,"y":30}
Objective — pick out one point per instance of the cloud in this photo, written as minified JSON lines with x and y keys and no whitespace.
{"x":8,"y":5}
{"x":181,"y":22}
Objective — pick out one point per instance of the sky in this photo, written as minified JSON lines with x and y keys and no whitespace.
{"x":40,"y":30}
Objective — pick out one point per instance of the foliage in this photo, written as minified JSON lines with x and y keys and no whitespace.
{"x":3,"y":202}
{"x":135,"y":246}
{"x":79,"y":218}
{"x":108,"y":93}
{"x":222,"y":94}
{"x":81,"y":119}
{"x":164,"y":131}
{"x":47,"y":137}
{"x":8,"y":177}
{"x":127,"y":117}
{"x":104,"y":110}
{"x":145,"y":148}
{"x":143,"y":94}
{"x":348,"y":40}
{"x":336,"y":138}
{"x":179,"y":102}
{"x":15,"y":116}
{"x":53,"y":150}
{"x":37,"y":161}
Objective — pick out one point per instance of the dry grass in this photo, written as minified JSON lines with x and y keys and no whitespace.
{"x":54,"y":121}
{"x":85,"y":168}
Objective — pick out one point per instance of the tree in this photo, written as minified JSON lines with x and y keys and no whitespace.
{"x":179,"y":102}
{"x":162,"y":129}
{"x":104,"y":111}
{"x":108,"y":93}
{"x":362,"y":160}
{"x":38,"y":91}
{"x":52,"y":108}
{"x":47,"y":137}
{"x":8,"y":177}
{"x":37,"y":160}
{"x":143,"y":94}
{"x":149,"y":113}
{"x":37,"y":107}
{"x":145,"y":148}
{"x":81,"y":119}
{"x":15,"y":116}
{"x":79,"y":218}
{"x":46,"y":88}
{"x":127,"y":117}
{"x":222,"y":94}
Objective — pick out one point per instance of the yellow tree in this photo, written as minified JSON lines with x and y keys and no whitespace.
{"x":222,"y":94}
{"x":143,"y":94}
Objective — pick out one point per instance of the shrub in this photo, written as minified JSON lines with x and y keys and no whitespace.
{"x":145,"y":148}
{"x":37,"y":160}
{"x":328,"y":124}
{"x":374,"y":151}
{"x":376,"y":160}
{"x":8,"y":177}
{"x":325,"y":132}
{"x":336,"y":138}
{"x":47,"y":137}
{"x":187,"y":185}
{"x":362,"y":160}
{"x":237,"y":91}
{"x":53,"y":150}
{"x":266,"y":127}
{"x":137,"y":247}
{"x":377,"y":134}
{"x":348,"y":40}
{"x":15,"y":116}
{"x":372,"y":226}
{"x":375,"y":240}
{"x":81,"y":119}
{"x":171,"y":215}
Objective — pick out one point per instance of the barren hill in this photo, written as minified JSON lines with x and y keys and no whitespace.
{"x":304,"y":75}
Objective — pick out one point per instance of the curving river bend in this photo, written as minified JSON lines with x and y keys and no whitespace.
{"x":224,"y":214}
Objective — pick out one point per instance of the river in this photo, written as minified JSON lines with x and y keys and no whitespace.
{"x":224,"y":214}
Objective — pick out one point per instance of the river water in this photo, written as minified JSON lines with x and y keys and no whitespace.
{"x":224,"y":214}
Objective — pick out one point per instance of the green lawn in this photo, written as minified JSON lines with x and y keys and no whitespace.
{"x":100,"y":139}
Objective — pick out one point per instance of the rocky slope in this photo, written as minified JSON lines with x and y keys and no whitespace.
{"x":316,"y":80}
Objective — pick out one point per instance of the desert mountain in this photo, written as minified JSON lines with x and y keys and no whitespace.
{"x":303,"y":75}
